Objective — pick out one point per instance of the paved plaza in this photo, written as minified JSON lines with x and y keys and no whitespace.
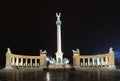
{"x":38,"y":75}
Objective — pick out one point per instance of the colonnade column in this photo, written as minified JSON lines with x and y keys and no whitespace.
{"x":13,"y":61}
{"x":35,"y":62}
{"x":31,"y":62}
{"x":88,"y":61}
{"x":83,"y":61}
{"x":17,"y":61}
{"x":101,"y":61}
{"x":21,"y":61}
{"x":39,"y":63}
{"x":97,"y":61}
{"x":106,"y":60}
{"x":93,"y":63}
{"x":26,"y":61}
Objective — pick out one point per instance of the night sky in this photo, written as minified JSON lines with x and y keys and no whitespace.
{"x":91,"y":26}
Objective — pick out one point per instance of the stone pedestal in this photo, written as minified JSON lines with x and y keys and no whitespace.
{"x":55,"y":66}
{"x":59,"y":57}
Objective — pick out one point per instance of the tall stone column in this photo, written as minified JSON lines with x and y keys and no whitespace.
{"x":59,"y":54}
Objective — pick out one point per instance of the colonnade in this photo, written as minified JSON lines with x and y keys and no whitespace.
{"x":13,"y":60}
{"x":16,"y":61}
{"x":94,"y":61}
{"x":99,"y":60}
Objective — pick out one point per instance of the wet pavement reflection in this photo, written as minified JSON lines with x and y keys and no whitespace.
{"x":37,"y":75}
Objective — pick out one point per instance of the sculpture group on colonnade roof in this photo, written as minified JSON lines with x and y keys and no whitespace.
{"x":58,"y":16}
{"x":8,"y":50}
{"x":111,"y":50}
{"x":43,"y":52}
{"x":77,"y":51}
